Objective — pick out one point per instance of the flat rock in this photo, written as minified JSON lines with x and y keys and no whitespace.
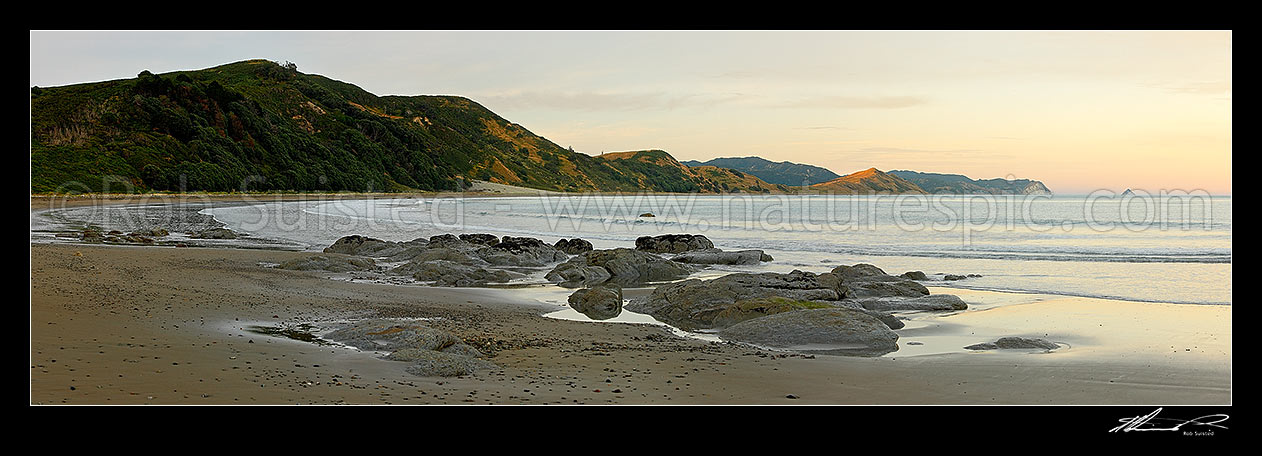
{"x":919,"y":303}
{"x":331,"y":263}
{"x":694,"y":304}
{"x":1015,"y":343}
{"x":444,"y":273}
{"x":717,"y":256}
{"x":673,"y":243}
{"x":835,"y":331}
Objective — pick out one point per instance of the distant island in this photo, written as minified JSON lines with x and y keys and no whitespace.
{"x":259,"y":125}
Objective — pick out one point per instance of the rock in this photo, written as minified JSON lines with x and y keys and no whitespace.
{"x":914,"y":275}
{"x":427,"y":363}
{"x":861,"y":272}
{"x":153,"y":232}
{"x":420,"y":260}
{"x":766,"y":257}
{"x":369,"y":247}
{"x":388,"y":335}
{"x":574,"y":246}
{"x":576,"y":273}
{"x":673,"y":243}
{"x":865,"y":280}
{"x":747,"y":309}
{"x":953,"y":277}
{"x":904,"y":288}
{"x":432,"y":352}
{"x":647,"y":214}
{"x":920,"y":303}
{"x":837,"y":331}
{"x":716,"y":256}
{"x":598,"y":303}
{"x":444,"y":273}
{"x":1015,"y":343}
{"x":695,"y":304}
{"x":332,"y":263}
{"x":448,"y":240}
{"x":215,"y":233}
{"x":624,"y":266}
{"x":480,"y":239}
{"x":520,"y":251}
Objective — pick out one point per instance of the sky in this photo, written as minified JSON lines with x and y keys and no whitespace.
{"x":1080,"y":111}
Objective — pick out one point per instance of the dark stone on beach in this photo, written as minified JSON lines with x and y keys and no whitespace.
{"x":624,"y":267}
{"x":331,"y":263}
{"x":601,"y":302}
{"x":647,"y":214}
{"x":432,"y":352}
{"x":480,"y":239}
{"x":835,"y":331}
{"x":438,"y":364}
{"x":1015,"y":343}
{"x":447,"y":240}
{"x":865,"y":280}
{"x":717,"y":256}
{"x":695,"y":304}
{"x":153,"y":232}
{"x":914,"y":275}
{"x":576,"y":273}
{"x":953,"y":277}
{"x":673,"y":243}
{"x":216,"y":233}
{"x":574,"y":246}
{"x":520,"y":251}
{"x":376,"y":248}
{"x":446,"y":273}
{"x":920,"y":303}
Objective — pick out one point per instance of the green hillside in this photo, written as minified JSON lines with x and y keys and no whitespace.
{"x":261,"y":126}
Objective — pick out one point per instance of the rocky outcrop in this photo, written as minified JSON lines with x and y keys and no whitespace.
{"x":623,"y":266}
{"x":480,"y":239}
{"x":866,"y":281}
{"x":1016,"y":343}
{"x":577,"y":273}
{"x":432,"y":352}
{"x":520,"y":251}
{"x":444,"y":273}
{"x":673,"y":243}
{"x":695,"y":304}
{"x":215,"y":233}
{"x":331,"y":263}
{"x":914,"y":275}
{"x":574,"y":246}
{"x":837,"y":331}
{"x":717,"y":256}
{"x":601,"y":302}
{"x":376,"y":248}
{"x":940,"y":302}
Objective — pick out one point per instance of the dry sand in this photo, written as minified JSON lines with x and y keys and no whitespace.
{"x":164,"y":325}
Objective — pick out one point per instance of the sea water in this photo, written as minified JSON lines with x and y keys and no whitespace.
{"x":1171,"y":247}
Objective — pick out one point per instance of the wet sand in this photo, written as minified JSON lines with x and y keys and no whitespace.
{"x":164,"y":325}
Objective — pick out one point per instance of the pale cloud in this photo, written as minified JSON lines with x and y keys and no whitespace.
{"x":1222,"y":88}
{"x":596,"y":101}
{"x":855,"y":102}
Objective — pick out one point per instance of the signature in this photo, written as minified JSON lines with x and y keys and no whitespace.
{"x":1151,"y":422}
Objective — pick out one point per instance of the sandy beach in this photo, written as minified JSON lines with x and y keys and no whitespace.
{"x":167,"y":325}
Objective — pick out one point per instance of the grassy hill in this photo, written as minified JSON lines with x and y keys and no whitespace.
{"x":261,"y":126}
{"x":785,"y":173}
{"x":868,"y":182}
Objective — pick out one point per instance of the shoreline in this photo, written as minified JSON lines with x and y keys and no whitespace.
{"x":138,"y":325}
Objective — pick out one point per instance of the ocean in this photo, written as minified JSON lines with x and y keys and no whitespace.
{"x":1173,"y":247}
